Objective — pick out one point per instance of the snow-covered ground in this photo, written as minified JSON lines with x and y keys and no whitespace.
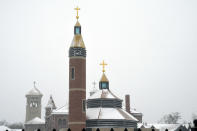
{"x":4,"y":128}
{"x":163,"y":127}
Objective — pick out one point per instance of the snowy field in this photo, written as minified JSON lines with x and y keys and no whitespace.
{"x":3,"y":128}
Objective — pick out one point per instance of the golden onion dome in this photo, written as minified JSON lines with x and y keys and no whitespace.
{"x":104,"y":78}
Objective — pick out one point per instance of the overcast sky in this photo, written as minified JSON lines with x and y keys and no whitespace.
{"x":150,"y":47}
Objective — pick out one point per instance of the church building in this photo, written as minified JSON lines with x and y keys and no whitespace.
{"x":103,"y":109}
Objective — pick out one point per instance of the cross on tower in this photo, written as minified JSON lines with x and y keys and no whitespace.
{"x":34,"y":84}
{"x":94,"y":83}
{"x":103,"y":64}
{"x":77,"y":9}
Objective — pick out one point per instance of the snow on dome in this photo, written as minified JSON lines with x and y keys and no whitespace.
{"x":36,"y":120}
{"x":34,"y":91}
{"x":104,"y":93}
{"x":61,"y":110}
{"x":108,"y":113}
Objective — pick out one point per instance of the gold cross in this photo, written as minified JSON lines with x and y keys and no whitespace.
{"x":103,"y":64}
{"x":77,"y":9}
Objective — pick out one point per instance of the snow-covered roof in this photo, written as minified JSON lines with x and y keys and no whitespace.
{"x":108,"y":113}
{"x":161,"y":127}
{"x":36,"y":120}
{"x":94,"y":90}
{"x":51,"y":103}
{"x":62,"y":110}
{"x":134,"y":111}
{"x":104,"y":93}
{"x":34,"y":91}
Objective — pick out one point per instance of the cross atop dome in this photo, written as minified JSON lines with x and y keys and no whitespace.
{"x":77,"y":9}
{"x":77,"y":41}
{"x":104,"y":82}
{"x":34,"y":91}
{"x":103,"y":64}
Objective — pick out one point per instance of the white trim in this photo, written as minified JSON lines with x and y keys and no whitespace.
{"x":78,"y":57}
{"x":77,"y":89}
{"x":76,"y":123}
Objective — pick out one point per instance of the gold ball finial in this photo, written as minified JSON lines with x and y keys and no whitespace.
{"x":103,"y":64}
{"x":77,"y":9}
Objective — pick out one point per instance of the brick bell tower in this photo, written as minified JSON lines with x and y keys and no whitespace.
{"x":77,"y":80}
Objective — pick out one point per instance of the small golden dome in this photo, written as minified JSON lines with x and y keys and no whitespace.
{"x":104,"y":78}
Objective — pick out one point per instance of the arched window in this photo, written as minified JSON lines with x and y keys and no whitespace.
{"x":59,"y":122}
{"x":64,"y":123}
{"x":31,"y":105}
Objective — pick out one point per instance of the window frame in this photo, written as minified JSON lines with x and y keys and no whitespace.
{"x":72,"y":73}
{"x":84,"y":105}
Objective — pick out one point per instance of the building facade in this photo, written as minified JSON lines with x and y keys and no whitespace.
{"x":55,"y":118}
{"x":33,"y":119}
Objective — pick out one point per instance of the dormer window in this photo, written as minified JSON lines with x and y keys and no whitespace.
{"x":77,"y":30}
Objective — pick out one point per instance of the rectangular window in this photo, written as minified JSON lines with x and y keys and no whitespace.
{"x":72,"y":73}
{"x":83,"y":105}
